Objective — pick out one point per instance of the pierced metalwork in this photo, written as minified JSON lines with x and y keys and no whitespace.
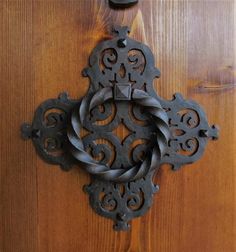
{"x":121,"y":202}
{"x":83,"y":132}
{"x":119,"y":173}
{"x":48,"y":130}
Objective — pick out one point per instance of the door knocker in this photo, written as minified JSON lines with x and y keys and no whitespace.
{"x":121,"y":72}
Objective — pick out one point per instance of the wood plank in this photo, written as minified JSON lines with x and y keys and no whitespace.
{"x":18,"y":197}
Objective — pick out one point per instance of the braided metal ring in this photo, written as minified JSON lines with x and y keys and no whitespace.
{"x":153,"y":157}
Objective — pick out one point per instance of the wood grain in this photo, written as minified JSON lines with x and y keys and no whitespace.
{"x":44,"y":45}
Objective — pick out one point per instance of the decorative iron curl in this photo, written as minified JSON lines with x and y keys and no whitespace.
{"x":153,"y":157}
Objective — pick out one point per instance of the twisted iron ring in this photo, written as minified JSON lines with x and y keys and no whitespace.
{"x":153,"y":157}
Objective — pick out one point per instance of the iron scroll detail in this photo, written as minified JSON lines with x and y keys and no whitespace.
{"x":119,"y":174}
{"x":82,"y":132}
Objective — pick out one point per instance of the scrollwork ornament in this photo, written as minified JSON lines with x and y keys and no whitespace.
{"x":121,"y":73}
{"x":122,"y":202}
{"x":49,"y":128}
{"x":120,"y":174}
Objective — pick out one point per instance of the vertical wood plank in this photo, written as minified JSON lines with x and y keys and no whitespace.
{"x":18,"y":195}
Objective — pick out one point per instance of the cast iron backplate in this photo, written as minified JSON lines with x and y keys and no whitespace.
{"x":83,"y":132}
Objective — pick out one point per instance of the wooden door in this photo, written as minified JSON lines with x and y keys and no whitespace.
{"x":44,"y":46}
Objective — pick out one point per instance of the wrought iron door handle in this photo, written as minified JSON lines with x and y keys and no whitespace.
{"x":152,"y":108}
{"x":121,"y":71}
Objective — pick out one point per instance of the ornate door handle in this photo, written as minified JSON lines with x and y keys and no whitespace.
{"x":153,"y":110}
{"x":121,"y":71}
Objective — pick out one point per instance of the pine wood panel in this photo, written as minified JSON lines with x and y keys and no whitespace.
{"x":44,"y":46}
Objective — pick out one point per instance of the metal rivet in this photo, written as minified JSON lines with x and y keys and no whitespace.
{"x":122,"y":43}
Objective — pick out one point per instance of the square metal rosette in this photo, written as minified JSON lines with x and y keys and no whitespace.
{"x":122,"y":92}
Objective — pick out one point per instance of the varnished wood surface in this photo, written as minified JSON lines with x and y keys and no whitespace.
{"x":44,"y":45}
